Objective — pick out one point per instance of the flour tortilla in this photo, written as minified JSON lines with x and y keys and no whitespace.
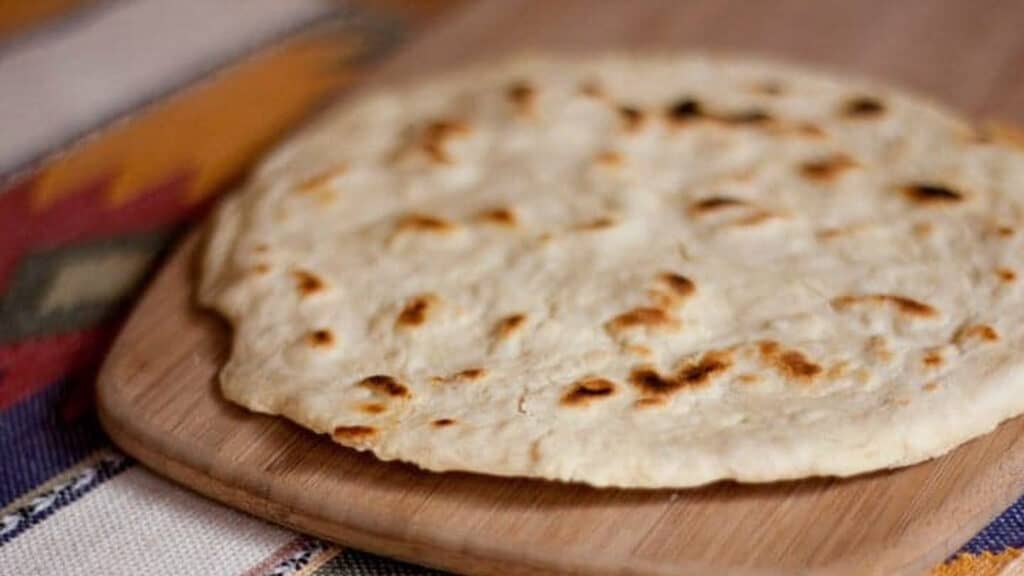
{"x":633,"y":272}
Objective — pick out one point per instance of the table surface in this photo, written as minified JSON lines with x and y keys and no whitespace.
{"x":96,"y":184}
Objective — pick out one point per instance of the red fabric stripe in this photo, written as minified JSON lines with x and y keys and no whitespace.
{"x":84,"y":214}
{"x":15,"y":219}
{"x":30,"y":366}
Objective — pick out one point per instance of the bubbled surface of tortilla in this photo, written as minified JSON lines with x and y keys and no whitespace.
{"x":635,"y":272}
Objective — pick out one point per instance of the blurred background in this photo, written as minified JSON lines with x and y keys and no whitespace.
{"x":122,"y":120}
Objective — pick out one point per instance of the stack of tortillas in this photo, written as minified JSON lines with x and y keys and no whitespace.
{"x":635,"y":272}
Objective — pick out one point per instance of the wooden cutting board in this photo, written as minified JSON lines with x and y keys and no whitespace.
{"x":158,"y":398}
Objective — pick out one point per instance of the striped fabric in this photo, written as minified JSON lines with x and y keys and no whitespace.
{"x":96,"y":99}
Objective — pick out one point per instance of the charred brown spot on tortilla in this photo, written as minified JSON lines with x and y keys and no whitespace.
{"x":650,"y":402}
{"x":523,"y":96}
{"x":792,"y":364}
{"x":320,"y":338}
{"x":632,"y":117}
{"x":316,"y":181}
{"x":461,"y":376}
{"x":609,"y":158}
{"x":931,"y":193}
{"x":838,"y":370}
{"x":923,"y":229}
{"x":436,"y":135}
{"x":591,"y":89}
{"x":260,"y":269}
{"x":748,"y":378}
{"x":810,"y":130}
{"x":701,"y":372}
{"x":470,"y":374}
{"x":976,"y":332}
{"x":443,"y":422}
{"x":685,"y":110}
{"x":587,"y":390}
{"x":441,"y":129}
{"x":641,"y":351}
{"x":373,"y":408}
{"x":424,"y":223}
{"x":932,"y":359}
{"x":863,"y":107}
{"x":260,"y":248}
{"x":499,"y":216}
{"x":1006,"y":275}
{"x":930,"y":387}
{"x":747,"y":118}
{"x":768,"y":347}
{"x":1005,"y":231}
{"x":911,"y":306}
{"x":691,"y":374}
{"x":767,"y":88}
{"x":509,"y":325}
{"x":650,"y":383}
{"x":416,"y":310}
{"x":795,"y":365}
{"x":599,"y":223}
{"x":308,"y":283}
{"x":535,"y":451}
{"x":383,"y":384}
{"x":663,"y":299}
{"x":827,"y":168}
{"x":679,"y":289}
{"x":654,"y":318}
{"x":354,"y":434}
{"x":715,"y":204}
{"x":841,"y":231}
{"x":902,"y":304}
{"x":755,"y":219}
{"x":679,"y":284}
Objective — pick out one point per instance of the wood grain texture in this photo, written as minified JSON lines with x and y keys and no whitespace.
{"x":158,"y":398}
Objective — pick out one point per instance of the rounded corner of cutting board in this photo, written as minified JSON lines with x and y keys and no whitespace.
{"x":156,"y":398}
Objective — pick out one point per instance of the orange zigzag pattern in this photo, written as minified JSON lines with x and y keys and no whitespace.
{"x":213,"y":128}
{"x":1005,"y":563}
